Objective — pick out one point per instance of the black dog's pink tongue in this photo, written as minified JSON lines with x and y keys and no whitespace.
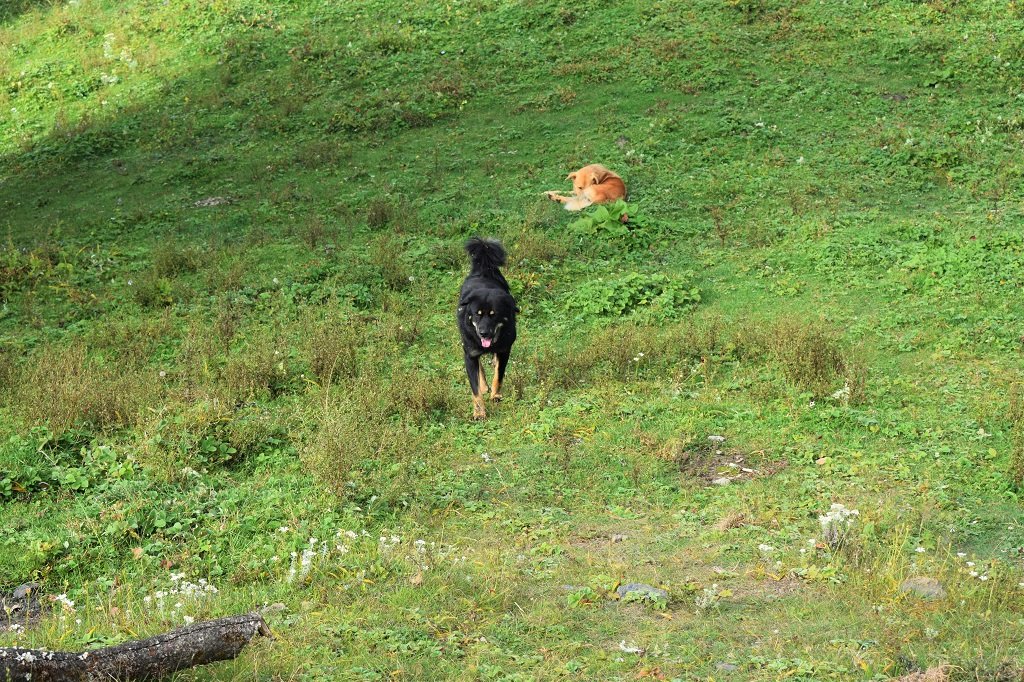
{"x":486,"y":343}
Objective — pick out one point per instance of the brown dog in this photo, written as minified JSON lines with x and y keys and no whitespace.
{"x":593,"y":184}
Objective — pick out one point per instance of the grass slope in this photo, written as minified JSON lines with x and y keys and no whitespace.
{"x":233,"y":238}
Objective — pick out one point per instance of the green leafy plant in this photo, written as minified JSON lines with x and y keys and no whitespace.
{"x":661,"y":295}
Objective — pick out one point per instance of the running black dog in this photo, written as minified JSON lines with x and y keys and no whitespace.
{"x":487,"y":318}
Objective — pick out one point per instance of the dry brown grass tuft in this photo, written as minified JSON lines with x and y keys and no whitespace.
{"x":333,"y":346}
{"x":62,"y":386}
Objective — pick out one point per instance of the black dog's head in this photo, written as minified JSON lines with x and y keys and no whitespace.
{"x":488,"y":312}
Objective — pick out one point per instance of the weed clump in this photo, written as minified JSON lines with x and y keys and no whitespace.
{"x":381,"y":212}
{"x":332,"y":349}
{"x":811,"y":356}
{"x":419,"y":396}
{"x":355,"y":444}
{"x":63,"y":386}
{"x":533,"y":246}
{"x":386,"y":254}
{"x":263,"y":369}
{"x":152,"y":290}
{"x":188,"y":438}
{"x":171,"y":260}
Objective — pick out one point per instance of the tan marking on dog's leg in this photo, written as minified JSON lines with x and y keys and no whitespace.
{"x":478,"y":399}
{"x":496,"y":382}
{"x":478,"y":407}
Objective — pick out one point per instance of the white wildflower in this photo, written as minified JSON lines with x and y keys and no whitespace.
{"x":66,"y":603}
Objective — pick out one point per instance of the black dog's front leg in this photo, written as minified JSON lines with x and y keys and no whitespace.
{"x":500,"y":363}
{"x":476,"y":384}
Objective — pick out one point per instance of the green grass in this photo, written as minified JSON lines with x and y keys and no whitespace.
{"x":231,"y":249}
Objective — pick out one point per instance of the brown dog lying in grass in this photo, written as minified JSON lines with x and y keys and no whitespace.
{"x":593,"y":184}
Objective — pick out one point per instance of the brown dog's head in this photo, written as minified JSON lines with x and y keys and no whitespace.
{"x":593,"y":174}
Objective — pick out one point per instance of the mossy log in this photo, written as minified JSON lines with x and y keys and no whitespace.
{"x":144,"y":659}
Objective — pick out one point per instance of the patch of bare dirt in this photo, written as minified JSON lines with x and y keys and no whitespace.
{"x":711,"y":463}
{"x":766,"y":589}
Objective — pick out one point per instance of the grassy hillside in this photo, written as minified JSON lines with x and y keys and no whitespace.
{"x":233,"y":241}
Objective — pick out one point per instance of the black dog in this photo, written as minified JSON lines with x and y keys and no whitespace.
{"x":487,"y":318}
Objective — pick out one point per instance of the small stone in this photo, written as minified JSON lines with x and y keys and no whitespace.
{"x":726,"y":667}
{"x":212,"y":201}
{"x":23,"y":591}
{"x":641,"y":590}
{"x":721,"y":481}
{"x":926,"y":588}
{"x":618,"y":537}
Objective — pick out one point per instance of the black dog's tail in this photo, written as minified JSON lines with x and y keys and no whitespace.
{"x":485,"y":254}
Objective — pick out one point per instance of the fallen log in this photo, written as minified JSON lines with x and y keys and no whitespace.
{"x":145,"y":659}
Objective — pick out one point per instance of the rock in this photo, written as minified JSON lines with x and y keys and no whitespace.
{"x":641,"y":591}
{"x":23,"y":591}
{"x":721,"y":481}
{"x":726,"y":667}
{"x":212,"y":201}
{"x":618,"y":537}
{"x":926,"y":588}
{"x":21,"y":608}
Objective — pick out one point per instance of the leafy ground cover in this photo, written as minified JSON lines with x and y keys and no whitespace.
{"x":230,"y":378}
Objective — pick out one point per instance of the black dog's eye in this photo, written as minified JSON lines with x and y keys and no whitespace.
{"x":491,"y":313}
{"x":479,"y":312}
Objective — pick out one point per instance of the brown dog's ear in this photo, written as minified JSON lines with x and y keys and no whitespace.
{"x":599,"y":176}
{"x":570,"y":176}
